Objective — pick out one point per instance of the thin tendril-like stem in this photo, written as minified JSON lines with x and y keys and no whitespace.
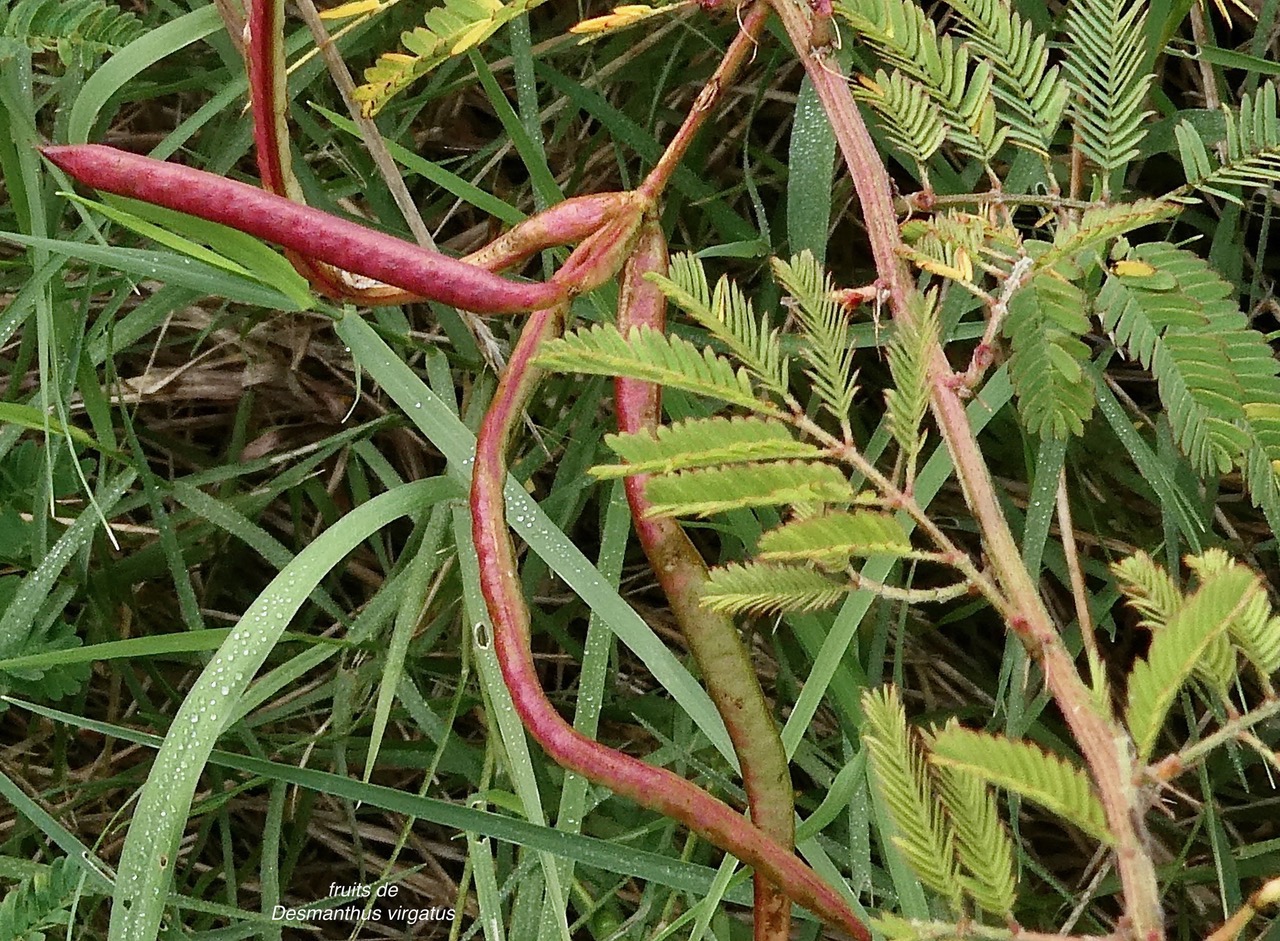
{"x":735,"y":57}
{"x":712,"y":637}
{"x":268,"y":99}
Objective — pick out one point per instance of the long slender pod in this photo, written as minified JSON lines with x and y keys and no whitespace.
{"x":317,"y":234}
{"x":655,"y":788}
{"x":565,"y":223}
{"x":713,"y":638}
{"x":268,"y":99}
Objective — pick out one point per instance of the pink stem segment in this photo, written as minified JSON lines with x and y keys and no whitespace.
{"x":316,"y":234}
{"x":268,"y":96}
{"x":562,"y":224}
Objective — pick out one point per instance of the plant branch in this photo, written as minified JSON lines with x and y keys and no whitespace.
{"x":739,"y":51}
{"x":1169,"y":767}
{"x":1104,"y":744}
{"x":268,"y":101}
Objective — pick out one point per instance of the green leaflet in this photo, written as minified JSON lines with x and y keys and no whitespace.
{"x":950,"y":243}
{"x":1030,"y":95}
{"x":79,"y":30}
{"x":757,"y":589}
{"x":961,"y":88}
{"x":924,"y":835}
{"x":909,"y":352}
{"x":702,"y":442}
{"x":1253,"y":150}
{"x":912,"y":120}
{"x":1254,"y":630}
{"x":1025,"y":769}
{"x":831,"y":540}
{"x":1100,"y":225}
{"x":727,"y":315}
{"x":1148,"y":588}
{"x":983,"y":845}
{"x":1180,"y":646}
{"x":652,"y":356}
{"x":40,"y":901}
{"x":454,"y":27}
{"x":826,"y":324}
{"x":1045,"y":322}
{"x":718,"y":489}
{"x":1151,"y":591}
{"x":1215,"y":374}
{"x":1104,"y":64}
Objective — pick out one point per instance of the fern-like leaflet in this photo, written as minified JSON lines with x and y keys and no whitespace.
{"x":36,"y":909}
{"x":1232,"y":593}
{"x":912,"y":120}
{"x":908,"y":401}
{"x":653,"y":357}
{"x":717,"y":489}
{"x":830,"y":540}
{"x":1044,"y":325}
{"x":1025,"y":769}
{"x":826,"y":323}
{"x":1216,"y":375}
{"x":1151,"y":592}
{"x":726,"y":314}
{"x":1030,"y":94}
{"x":1253,"y":150}
{"x":755,"y":588}
{"x":79,"y":30}
{"x":982,"y":844}
{"x":1104,"y":61}
{"x":924,"y":834}
{"x":908,"y":39}
{"x":703,"y":442}
{"x":450,"y":30}
{"x":1253,"y":630}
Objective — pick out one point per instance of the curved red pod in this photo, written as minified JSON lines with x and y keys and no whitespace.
{"x":315,"y":234}
{"x":562,"y":224}
{"x":682,"y":573}
{"x":649,"y":786}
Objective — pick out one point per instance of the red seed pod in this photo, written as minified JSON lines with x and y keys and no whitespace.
{"x":602,"y":255}
{"x":310,"y":232}
{"x":649,"y":786}
{"x":641,"y":304}
{"x":682,"y":573}
{"x":562,"y":224}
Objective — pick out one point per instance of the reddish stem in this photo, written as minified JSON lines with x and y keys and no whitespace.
{"x":1104,"y":744}
{"x":739,"y":51}
{"x":317,"y":234}
{"x":713,"y":638}
{"x":657,"y":789}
